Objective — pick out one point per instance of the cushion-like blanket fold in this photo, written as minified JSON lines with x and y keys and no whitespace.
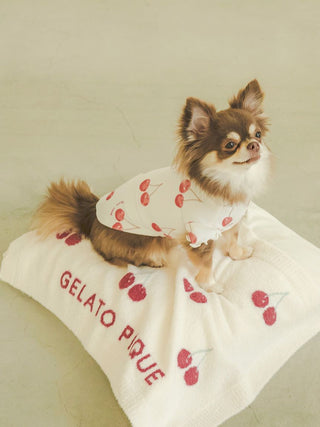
{"x":174,"y":354}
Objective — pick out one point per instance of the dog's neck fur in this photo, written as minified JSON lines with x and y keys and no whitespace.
{"x":230,"y":185}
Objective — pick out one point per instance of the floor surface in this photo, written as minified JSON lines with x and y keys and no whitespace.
{"x":93,"y":89}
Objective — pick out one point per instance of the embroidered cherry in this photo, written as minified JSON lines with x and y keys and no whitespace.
{"x":144,"y":185}
{"x":179,"y":200}
{"x":184,"y":186}
{"x":137,"y":292}
{"x":110,"y":195}
{"x":198,"y":297}
{"x":127,"y":280}
{"x":184,"y":358}
{"x":260,"y":299}
{"x":73,"y":239}
{"x":191,"y":376}
{"x":145,"y":199}
{"x":270,"y":316}
{"x":226,"y":221}
{"x":187,"y":285}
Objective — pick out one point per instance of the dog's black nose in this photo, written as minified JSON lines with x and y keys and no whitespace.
{"x":253,"y":146}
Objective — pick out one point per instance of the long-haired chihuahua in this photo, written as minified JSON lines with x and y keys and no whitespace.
{"x":198,"y":202}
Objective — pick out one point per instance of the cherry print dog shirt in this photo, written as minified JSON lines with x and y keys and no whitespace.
{"x":166,"y":204}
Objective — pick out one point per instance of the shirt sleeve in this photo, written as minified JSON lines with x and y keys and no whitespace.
{"x":198,"y":233}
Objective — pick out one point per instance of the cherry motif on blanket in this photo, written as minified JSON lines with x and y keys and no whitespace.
{"x":137,"y":292}
{"x":63,"y":234}
{"x":70,"y":239}
{"x":184,"y":360}
{"x":261,"y":300}
{"x":197,"y":297}
{"x":145,"y":196}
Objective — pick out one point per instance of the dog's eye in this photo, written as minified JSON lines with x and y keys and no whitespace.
{"x":230,"y":145}
{"x":258,"y":134}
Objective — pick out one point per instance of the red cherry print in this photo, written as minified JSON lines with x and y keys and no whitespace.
{"x":184,"y":186}
{"x":144,"y":185}
{"x":155,"y":227}
{"x":260,"y":299}
{"x":127,"y":280}
{"x":191,"y":376}
{"x":198,"y":297}
{"x":119,"y":214}
{"x":73,"y":239}
{"x":187,"y":285}
{"x":226,"y":221}
{"x":145,"y":199}
{"x":192,"y":238}
{"x":110,"y":195}
{"x":270,"y":316}
{"x":117,"y":226}
{"x":137,"y":292}
{"x":184,"y":358}
{"x":62,"y":235}
{"x":179,"y":200}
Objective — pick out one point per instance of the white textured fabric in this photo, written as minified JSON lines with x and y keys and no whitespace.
{"x":174,"y":354}
{"x":164,"y":203}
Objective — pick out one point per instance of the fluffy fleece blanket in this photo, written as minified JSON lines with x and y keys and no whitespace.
{"x":174,"y":354}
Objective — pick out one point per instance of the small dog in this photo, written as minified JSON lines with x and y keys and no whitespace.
{"x":222,"y":162}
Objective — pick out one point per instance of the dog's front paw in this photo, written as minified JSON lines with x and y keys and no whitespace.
{"x":213,"y":286}
{"x":240,"y":252}
{"x":206,"y":281}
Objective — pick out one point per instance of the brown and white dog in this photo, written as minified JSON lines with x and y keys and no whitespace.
{"x":222,"y":152}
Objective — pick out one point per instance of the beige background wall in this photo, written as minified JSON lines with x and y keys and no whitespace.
{"x":92,"y":89}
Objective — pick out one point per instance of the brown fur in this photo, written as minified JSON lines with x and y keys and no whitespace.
{"x":71,"y":206}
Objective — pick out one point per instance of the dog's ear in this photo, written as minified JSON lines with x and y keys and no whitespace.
{"x":250,"y":98}
{"x":195,"y":119}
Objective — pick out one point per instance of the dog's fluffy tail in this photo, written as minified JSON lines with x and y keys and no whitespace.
{"x":67,"y":206}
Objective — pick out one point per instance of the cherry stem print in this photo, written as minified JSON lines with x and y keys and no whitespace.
{"x":145,"y":196}
{"x":121,"y":218}
{"x":283,"y":294}
{"x":204,"y":355}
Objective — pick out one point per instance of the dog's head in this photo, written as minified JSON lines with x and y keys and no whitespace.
{"x":224,"y":151}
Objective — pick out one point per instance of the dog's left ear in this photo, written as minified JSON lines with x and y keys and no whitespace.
{"x":250,"y":98}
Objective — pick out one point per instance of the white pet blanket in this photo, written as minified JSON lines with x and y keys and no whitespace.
{"x":174,"y":354}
